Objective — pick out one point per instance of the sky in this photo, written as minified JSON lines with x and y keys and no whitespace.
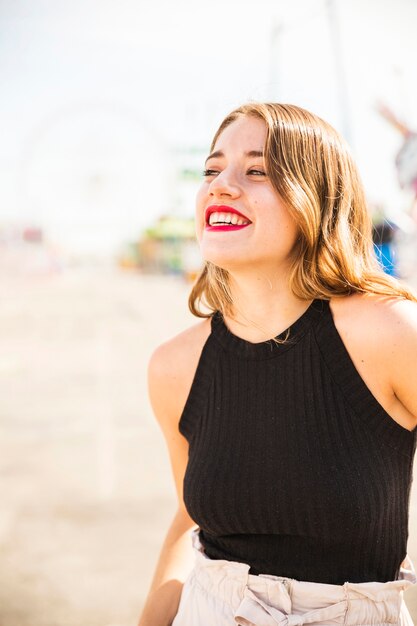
{"x":103,"y":102}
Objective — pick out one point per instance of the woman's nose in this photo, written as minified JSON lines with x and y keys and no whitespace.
{"x":224,"y":185}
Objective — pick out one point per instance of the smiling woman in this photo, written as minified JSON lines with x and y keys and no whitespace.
{"x":308,"y":167}
{"x":290,"y":411}
{"x":237,"y":173}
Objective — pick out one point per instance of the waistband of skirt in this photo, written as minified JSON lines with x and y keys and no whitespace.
{"x":362,"y":603}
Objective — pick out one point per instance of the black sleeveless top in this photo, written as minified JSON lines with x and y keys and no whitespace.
{"x":294,"y":467}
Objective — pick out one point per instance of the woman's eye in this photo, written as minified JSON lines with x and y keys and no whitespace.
{"x":257,"y":172}
{"x":251,"y":172}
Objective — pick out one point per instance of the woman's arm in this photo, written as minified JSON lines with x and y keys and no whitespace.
{"x":170,"y":374}
{"x":175,"y":561}
{"x":401,"y":355}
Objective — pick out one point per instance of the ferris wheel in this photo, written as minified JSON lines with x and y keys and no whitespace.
{"x":93,"y":175}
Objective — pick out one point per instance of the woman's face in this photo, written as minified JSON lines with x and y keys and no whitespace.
{"x":263,"y":232}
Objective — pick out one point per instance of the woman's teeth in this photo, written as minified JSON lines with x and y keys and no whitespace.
{"x":227,"y":218}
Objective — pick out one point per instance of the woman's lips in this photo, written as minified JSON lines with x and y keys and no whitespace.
{"x":227,"y":227}
{"x":222,"y":208}
{"x":225,"y":209}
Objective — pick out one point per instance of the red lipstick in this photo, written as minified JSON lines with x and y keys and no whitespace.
{"x":223,"y":208}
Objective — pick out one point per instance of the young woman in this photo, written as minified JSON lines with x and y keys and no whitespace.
{"x":290,"y":411}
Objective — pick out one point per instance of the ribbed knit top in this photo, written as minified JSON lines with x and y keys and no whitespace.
{"x":294,"y":467}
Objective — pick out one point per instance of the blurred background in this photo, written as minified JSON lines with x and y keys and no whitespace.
{"x":106,"y":115}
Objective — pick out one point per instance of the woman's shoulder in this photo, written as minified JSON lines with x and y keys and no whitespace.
{"x":176,"y":351}
{"x":369,"y":315}
{"x":380,"y":334}
{"x":172,"y":367}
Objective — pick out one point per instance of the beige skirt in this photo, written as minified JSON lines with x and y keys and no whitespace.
{"x":223,"y":593}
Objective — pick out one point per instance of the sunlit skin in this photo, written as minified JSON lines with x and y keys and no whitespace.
{"x":257,"y":257}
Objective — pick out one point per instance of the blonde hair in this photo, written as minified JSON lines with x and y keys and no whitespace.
{"x":310,"y":166}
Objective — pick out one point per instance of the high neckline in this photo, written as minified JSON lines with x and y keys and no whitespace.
{"x":266,"y":349}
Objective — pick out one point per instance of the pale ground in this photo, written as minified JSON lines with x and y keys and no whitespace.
{"x":86,"y":491}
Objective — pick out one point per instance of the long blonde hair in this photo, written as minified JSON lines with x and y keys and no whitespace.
{"x":310,"y":166}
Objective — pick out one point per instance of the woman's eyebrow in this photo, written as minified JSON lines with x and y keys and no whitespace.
{"x":251,"y":153}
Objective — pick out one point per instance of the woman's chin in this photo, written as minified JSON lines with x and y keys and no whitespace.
{"x":227,"y":263}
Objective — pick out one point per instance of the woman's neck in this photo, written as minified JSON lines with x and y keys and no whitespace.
{"x":264,"y":305}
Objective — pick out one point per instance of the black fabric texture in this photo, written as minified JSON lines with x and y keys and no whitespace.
{"x":294,"y":467}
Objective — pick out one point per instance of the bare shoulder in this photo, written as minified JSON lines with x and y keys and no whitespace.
{"x":372,"y":315}
{"x":171,"y":370}
{"x":380,"y":334}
